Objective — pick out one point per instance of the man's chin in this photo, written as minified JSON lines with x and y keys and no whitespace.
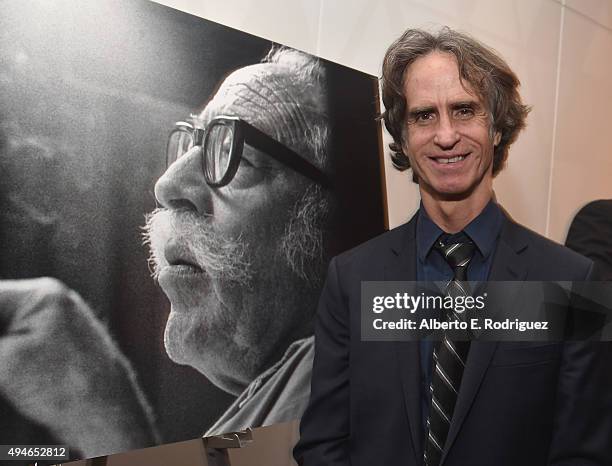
{"x":184,"y":286}
{"x":186,"y":345}
{"x":451,"y":191}
{"x":174,"y":339}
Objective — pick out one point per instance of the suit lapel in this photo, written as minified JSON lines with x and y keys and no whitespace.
{"x":509,"y":264}
{"x":402,"y":267}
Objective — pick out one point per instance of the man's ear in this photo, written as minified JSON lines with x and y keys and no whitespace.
{"x":496,"y":138}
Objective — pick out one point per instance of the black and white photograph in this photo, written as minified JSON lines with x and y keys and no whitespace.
{"x":172,"y":191}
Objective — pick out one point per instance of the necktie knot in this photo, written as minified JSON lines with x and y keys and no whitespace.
{"x":458,"y":251}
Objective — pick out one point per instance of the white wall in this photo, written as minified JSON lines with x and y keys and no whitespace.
{"x":561,"y":50}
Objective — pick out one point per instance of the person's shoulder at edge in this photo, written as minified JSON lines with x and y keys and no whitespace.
{"x":557,"y":259}
{"x":599,"y":207}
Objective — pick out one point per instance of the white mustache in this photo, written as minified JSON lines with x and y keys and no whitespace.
{"x":221,"y":257}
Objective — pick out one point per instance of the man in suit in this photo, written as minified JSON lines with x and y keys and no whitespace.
{"x":453,"y":109}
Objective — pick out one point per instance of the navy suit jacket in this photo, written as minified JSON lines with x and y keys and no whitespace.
{"x":520,"y":403}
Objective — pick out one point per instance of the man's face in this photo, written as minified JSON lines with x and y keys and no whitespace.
{"x":234,"y":299}
{"x":447,"y":136}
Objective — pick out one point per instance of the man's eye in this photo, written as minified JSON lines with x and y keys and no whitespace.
{"x":250,"y":173}
{"x":254,"y":162}
{"x":464,"y":113}
{"x":247,"y":176}
{"x":424,"y":117}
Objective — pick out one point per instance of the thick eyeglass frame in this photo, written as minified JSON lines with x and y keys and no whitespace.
{"x":242,"y":132}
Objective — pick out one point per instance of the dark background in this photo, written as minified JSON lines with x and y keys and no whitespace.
{"x":88,"y":93}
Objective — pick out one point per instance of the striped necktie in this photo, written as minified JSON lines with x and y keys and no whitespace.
{"x":449,"y":356}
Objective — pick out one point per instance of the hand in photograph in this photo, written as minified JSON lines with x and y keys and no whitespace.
{"x":60,"y":368}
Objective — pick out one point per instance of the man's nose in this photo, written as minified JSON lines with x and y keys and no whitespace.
{"x":446,"y":133}
{"x":183,"y":185}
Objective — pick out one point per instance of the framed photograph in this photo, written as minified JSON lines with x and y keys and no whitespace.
{"x":172,"y":193}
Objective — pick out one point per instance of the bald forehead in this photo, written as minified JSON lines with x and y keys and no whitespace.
{"x":267,"y":96}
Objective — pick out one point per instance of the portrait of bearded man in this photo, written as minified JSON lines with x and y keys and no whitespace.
{"x":239,"y":245}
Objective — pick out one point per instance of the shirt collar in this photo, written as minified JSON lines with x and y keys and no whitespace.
{"x":483,"y":230}
{"x":427,"y":232}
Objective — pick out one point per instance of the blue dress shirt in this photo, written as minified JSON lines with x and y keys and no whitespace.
{"x":484,"y":231}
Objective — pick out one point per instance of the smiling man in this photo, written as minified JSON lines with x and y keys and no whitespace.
{"x":238,"y":245}
{"x":453,"y":109}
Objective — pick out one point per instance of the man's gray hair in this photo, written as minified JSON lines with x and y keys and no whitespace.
{"x":303,"y":244}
